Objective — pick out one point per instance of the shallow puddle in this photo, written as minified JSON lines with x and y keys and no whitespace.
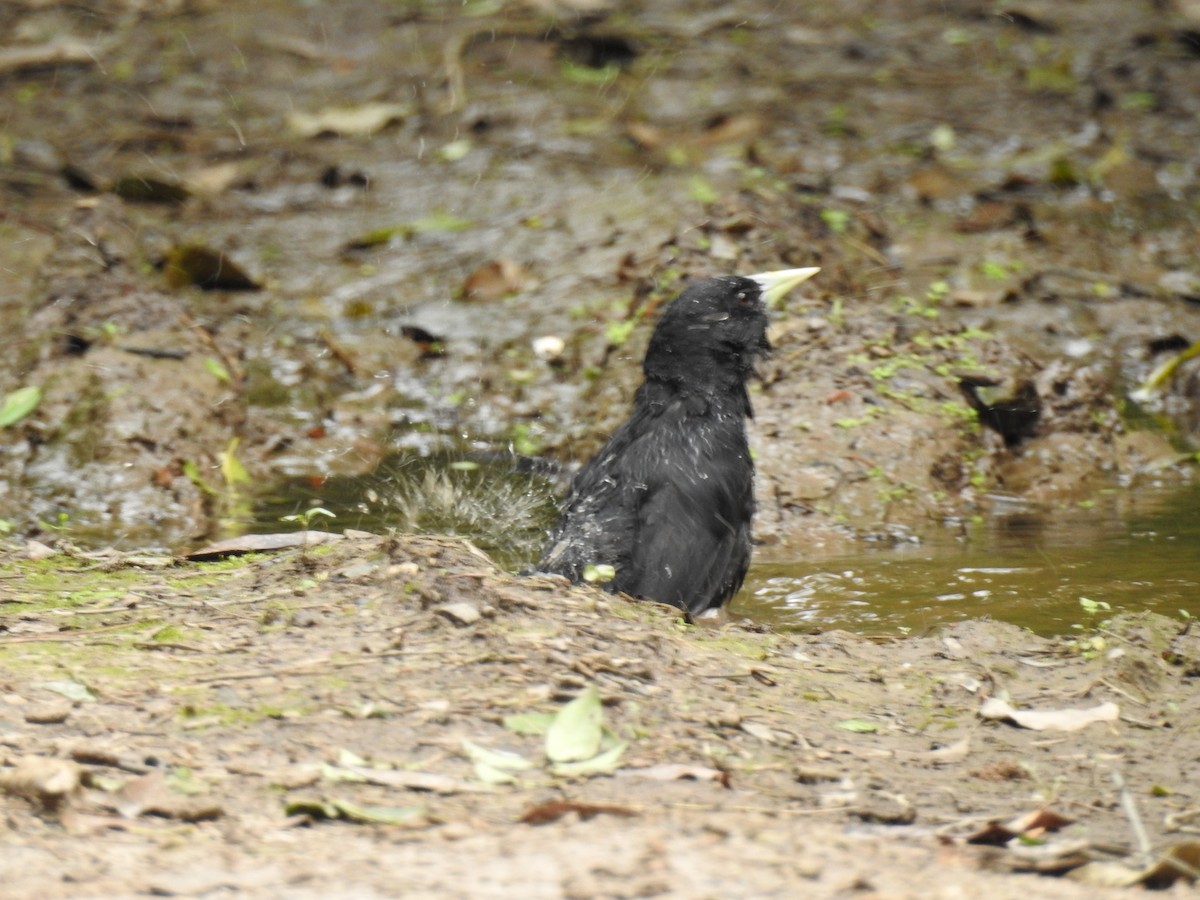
{"x":491,"y":499}
{"x":1134,"y":550}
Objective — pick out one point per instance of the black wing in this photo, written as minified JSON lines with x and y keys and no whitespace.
{"x":598,"y":519}
{"x":667,"y":502}
{"x":692,"y":545}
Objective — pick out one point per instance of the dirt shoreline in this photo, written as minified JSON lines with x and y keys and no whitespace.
{"x":293,"y":725}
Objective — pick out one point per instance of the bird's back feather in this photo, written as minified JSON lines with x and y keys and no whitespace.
{"x":667,"y":502}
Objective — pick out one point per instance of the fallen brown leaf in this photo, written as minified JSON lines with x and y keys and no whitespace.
{"x":545,"y":813}
{"x":495,"y":280}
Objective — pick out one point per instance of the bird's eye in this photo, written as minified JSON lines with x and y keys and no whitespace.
{"x":744,"y":299}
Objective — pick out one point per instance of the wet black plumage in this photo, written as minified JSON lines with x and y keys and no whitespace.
{"x":668,"y":501}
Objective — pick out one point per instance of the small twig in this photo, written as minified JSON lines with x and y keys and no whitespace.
{"x":868,"y":251}
{"x":251,"y":674}
{"x":1129,"y":805}
{"x":1181,"y":821}
{"x":456,"y":91}
{"x":1114,"y":636}
{"x":1116,"y":690}
{"x":232,"y":365}
{"x":771,"y":810}
{"x":1076,"y":274}
{"x":60,"y":636}
{"x":168,"y":645}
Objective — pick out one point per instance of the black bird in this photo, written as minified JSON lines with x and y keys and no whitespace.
{"x":667,"y":502}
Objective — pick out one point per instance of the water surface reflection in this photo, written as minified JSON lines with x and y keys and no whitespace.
{"x":1133,"y":550}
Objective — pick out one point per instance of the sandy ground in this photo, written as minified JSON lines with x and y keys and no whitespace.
{"x":305,"y":723}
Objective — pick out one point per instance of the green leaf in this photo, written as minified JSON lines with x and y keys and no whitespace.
{"x":837,"y":220}
{"x":19,"y":404}
{"x":455,"y":150}
{"x":533,"y":723}
{"x":599,"y":574}
{"x":1092,"y":607}
{"x":583,"y":74}
{"x":72,"y":690}
{"x":192,"y":471}
{"x":1162,"y":374}
{"x":602,"y":764}
{"x":337,"y":774}
{"x":217,"y":370}
{"x":438,"y":222}
{"x":381,"y":815}
{"x":576,"y":731}
{"x":496,"y":759}
{"x":349,"y":758}
{"x":306,"y":518}
{"x":858,"y":726}
{"x":618,"y":332}
{"x":491,"y":775}
{"x":701,"y":191}
{"x":311,"y":806}
{"x":232,"y":469}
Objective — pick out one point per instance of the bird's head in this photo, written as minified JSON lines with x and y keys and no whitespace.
{"x":713,"y":333}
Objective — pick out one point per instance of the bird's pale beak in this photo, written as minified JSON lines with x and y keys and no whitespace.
{"x":775,"y":285}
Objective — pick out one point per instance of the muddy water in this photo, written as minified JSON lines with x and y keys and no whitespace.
{"x":1137,"y":550}
{"x":492,"y":500}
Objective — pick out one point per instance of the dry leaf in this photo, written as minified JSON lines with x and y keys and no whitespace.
{"x":1178,"y":862}
{"x":347,"y":121}
{"x":213,"y":179}
{"x":416,"y":781}
{"x":258,"y":543}
{"x":944,"y":756}
{"x":150,"y":796}
{"x":495,"y":280}
{"x":1049,"y":720}
{"x":1038,"y":822}
{"x":1049,"y":858}
{"x":554,"y":810}
{"x":760,"y":731}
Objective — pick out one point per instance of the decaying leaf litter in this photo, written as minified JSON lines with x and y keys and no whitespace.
{"x":203,"y":730}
